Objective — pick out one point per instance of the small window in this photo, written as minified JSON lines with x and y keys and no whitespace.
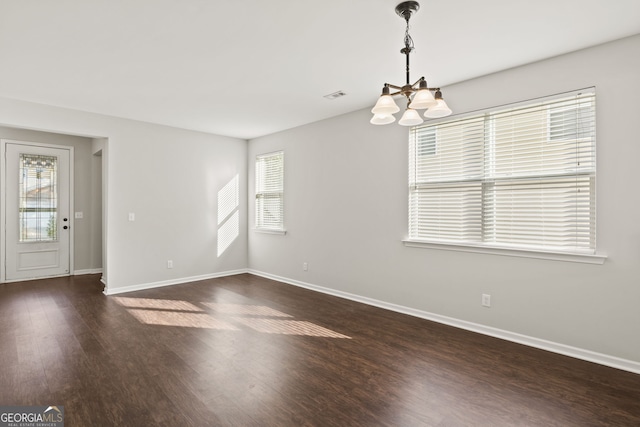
{"x":426,"y":143}
{"x":270,"y":191}
{"x":570,"y":123}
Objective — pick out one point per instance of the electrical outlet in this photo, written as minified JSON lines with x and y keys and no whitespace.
{"x":169,"y":264}
{"x":305,"y":266}
{"x":486,"y":300}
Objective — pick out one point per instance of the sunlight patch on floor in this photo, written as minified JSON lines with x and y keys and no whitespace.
{"x":250,"y":310}
{"x":187,"y":320}
{"x":225,"y":316}
{"x":158,"y":304}
{"x":288,"y":327}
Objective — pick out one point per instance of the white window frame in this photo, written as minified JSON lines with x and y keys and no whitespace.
{"x":482,"y":246}
{"x":269,"y":184}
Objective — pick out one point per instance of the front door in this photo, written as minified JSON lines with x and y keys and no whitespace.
{"x":37,"y":207}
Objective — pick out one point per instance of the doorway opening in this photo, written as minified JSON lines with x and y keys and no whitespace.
{"x":51,"y":207}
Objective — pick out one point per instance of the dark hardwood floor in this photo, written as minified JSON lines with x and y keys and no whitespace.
{"x":247,"y":351}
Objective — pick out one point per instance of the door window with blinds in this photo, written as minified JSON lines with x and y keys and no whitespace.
{"x":520,"y":177}
{"x":270,"y":191}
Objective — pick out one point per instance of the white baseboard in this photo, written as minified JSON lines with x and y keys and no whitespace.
{"x":578,"y":353}
{"x":143,"y":286}
{"x":87,"y":271}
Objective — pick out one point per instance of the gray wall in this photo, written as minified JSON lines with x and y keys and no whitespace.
{"x":346,"y":214}
{"x":87,"y":231}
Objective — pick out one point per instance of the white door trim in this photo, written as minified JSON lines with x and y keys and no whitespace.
{"x":3,"y":201}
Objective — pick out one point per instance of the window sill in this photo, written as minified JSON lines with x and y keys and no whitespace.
{"x":524,"y":253}
{"x":270,"y":231}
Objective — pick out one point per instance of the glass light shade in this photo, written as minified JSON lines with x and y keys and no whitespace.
{"x":410,"y":118}
{"x":439,"y":110}
{"x":385,"y":105}
{"x":423,"y":99}
{"x":382,"y":119}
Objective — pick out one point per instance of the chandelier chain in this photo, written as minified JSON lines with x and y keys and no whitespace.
{"x":408,"y":41}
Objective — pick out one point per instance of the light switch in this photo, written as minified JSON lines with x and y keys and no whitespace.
{"x":132,"y":216}
{"x":79,"y":215}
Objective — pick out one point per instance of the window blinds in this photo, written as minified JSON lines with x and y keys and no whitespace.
{"x":270,"y":191}
{"x":521,"y":177}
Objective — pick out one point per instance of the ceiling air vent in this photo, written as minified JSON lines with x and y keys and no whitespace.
{"x":335,"y":95}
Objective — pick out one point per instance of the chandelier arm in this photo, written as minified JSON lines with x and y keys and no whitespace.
{"x":393,"y":86}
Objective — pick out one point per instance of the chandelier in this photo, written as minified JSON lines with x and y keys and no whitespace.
{"x":418,"y":95}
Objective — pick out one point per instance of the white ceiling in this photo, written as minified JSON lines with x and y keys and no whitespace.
{"x":247,"y":68}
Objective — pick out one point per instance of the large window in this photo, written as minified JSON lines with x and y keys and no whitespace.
{"x":270,"y":191}
{"x":521,"y":177}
